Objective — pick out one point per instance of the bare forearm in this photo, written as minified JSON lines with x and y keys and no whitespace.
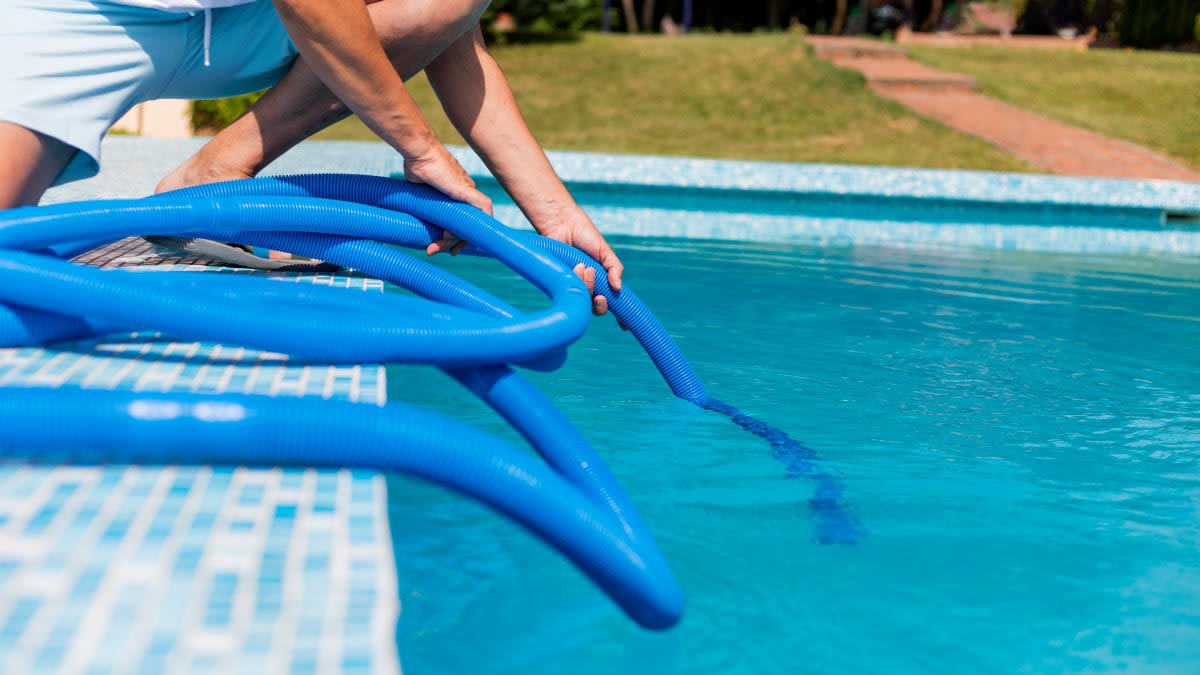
{"x":412,"y":32}
{"x":480,"y":103}
{"x":342,"y":58}
{"x":338,"y":43}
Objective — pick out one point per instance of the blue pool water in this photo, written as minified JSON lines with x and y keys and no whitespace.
{"x":1016,"y":432}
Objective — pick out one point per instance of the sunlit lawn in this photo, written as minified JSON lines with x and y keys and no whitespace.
{"x":738,"y":96}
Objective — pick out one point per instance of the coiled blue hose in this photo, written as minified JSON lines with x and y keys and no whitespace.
{"x":472,"y":335}
{"x":834,"y":524}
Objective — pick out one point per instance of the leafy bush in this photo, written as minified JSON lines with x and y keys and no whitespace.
{"x":1154,"y":23}
{"x":1104,"y":15}
{"x":1196,"y":29}
{"x":216,"y":114}
{"x":543,"y":19}
{"x":1046,"y":17}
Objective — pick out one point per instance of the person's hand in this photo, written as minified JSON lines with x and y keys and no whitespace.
{"x":438,"y":169}
{"x":580,"y":232}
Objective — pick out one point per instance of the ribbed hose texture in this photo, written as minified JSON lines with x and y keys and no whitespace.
{"x":474,"y":336}
{"x":834,"y":522}
{"x":178,"y":428}
{"x":578,"y":507}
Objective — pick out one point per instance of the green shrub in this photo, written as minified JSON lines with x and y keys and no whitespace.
{"x":218,"y":113}
{"x":1196,"y":30}
{"x":1154,"y":23}
{"x":1046,"y":17}
{"x":539,"y":20}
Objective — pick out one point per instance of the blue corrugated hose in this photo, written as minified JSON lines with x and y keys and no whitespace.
{"x":578,"y":507}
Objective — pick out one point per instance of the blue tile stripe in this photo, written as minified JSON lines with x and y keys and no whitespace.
{"x":851,"y":180}
{"x":868,"y":206}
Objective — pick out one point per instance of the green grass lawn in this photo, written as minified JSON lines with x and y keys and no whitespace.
{"x":747,"y":97}
{"x":1150,"y":98}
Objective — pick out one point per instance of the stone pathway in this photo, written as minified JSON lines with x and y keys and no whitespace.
{"x":953,"y":100}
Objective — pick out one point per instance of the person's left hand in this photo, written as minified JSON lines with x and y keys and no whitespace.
{"x":577,"y":231}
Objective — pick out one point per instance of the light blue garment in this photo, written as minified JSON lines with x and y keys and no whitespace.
{"x":72,"y":68}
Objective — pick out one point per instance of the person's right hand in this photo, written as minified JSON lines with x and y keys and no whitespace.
{"x":438,"y":169}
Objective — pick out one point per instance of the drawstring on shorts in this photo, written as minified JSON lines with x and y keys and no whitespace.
{"x":207,"y":34}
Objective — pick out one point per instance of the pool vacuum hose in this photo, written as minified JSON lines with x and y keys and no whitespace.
{"x":571,"y":501}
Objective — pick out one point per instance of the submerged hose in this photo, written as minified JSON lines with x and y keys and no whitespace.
{"x":578,"y":507}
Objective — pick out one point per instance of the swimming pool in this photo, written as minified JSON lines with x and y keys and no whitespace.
{"x":1016,"y":432}
{"x":1012,"y":427}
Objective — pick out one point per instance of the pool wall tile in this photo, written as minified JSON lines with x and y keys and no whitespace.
{"x":868,"y":206}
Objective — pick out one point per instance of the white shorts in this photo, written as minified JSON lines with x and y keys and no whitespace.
{"x":71,"y":68}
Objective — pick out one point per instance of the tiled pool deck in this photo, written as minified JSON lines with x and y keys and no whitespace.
{"x":184,"y":569}
{"x":132,"y":569}
{"x":146,"y":569}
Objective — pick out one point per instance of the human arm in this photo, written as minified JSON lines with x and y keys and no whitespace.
{"x":480,"y":103}
{"x":339,"y":44}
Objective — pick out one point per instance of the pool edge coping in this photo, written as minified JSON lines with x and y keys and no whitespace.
{"x":841,"y":181}
{"x":851,"y":181}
